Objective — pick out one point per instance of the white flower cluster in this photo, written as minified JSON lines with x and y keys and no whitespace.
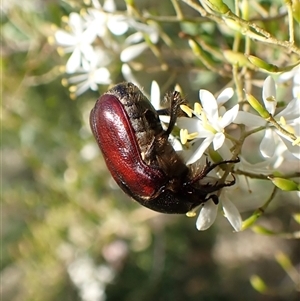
{"x":97,"y":38}
{"x":206,"y":128}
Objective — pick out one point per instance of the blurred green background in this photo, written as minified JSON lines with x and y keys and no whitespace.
{"x":68,"y":233}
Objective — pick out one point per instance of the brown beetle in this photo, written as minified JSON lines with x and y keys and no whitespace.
{"x":139,"y":156}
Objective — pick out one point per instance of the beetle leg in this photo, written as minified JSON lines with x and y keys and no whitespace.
{"x":214,"y":198}
{"x":216,"y":187}
{"x":209,"y":167}
{"x":175,"y":102}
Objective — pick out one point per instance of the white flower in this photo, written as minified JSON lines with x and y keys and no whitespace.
{"x":78,"y":41}
{"x":209,"y":210}
{"x":134,"y":43}
{"x":93,"y":75}
{"x":209,"y":123}
{"x":128,"y":74}
{"x":288,"y":118}
{"x":101,"y":20}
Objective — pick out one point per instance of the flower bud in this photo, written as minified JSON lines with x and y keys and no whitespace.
{"x":296,"y":10}
{"x":255,"y":104}
{"x":233,"y":24}
{"x":296,"y":217}
{"x":195,"y":47}
{"x":245,"y":9}
{"x":262,"y":64}
{"x":218,"y":6}
{"x":237,"y":58}
{"x":130,"y":2}
{"x":258,"y":284}
{"x":247,"y":223}
{"x":215,"y":156}
{"x":284,"y":261}
{"x":285,"y":184}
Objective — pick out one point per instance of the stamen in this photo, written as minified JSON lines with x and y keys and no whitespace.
{"x":183,"y":136}
{"x":271,"y":98}
{"x":192,"y":136}
{"x":64,"y":82}
{"x":60,"y":51}
{"x":187,"y":110}
{"x":197,"y":108}
{"x":206,"y":124}
{"x":65,"y":19}
{"x":72,"y":89}
{"x":191,"y":213}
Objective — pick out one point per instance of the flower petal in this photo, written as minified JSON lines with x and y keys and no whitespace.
{"x":196,"y":155}
{"x":267,"y":145}
{"x":218,"y":140}
{"x":75,"y":22}
{"x":191,"y":124}
{"x":74,"y":61}
{"x":296,"y":85}
{"x":134,"y":38}
{"x":128,"y":75}
{"x":224,"y":96}
{"x":132,"y":51}
{"x":249,"y":119}
{"x":109,"y":5}
{"x":232,"y":214}
{"x":293,"y":149}
{"x":291,"y":111}
{"x":283,"y":77}
{"x":269,"y":94}
{"x":64,"y":38}
{"x":229,"y":116}
{"x":102,"y":76}
{"x":207,"y":215}
{"x":175,"y":143}
{"x":209,"y":104}
{"x":117,"y":25}
{"x":155,"y":95}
